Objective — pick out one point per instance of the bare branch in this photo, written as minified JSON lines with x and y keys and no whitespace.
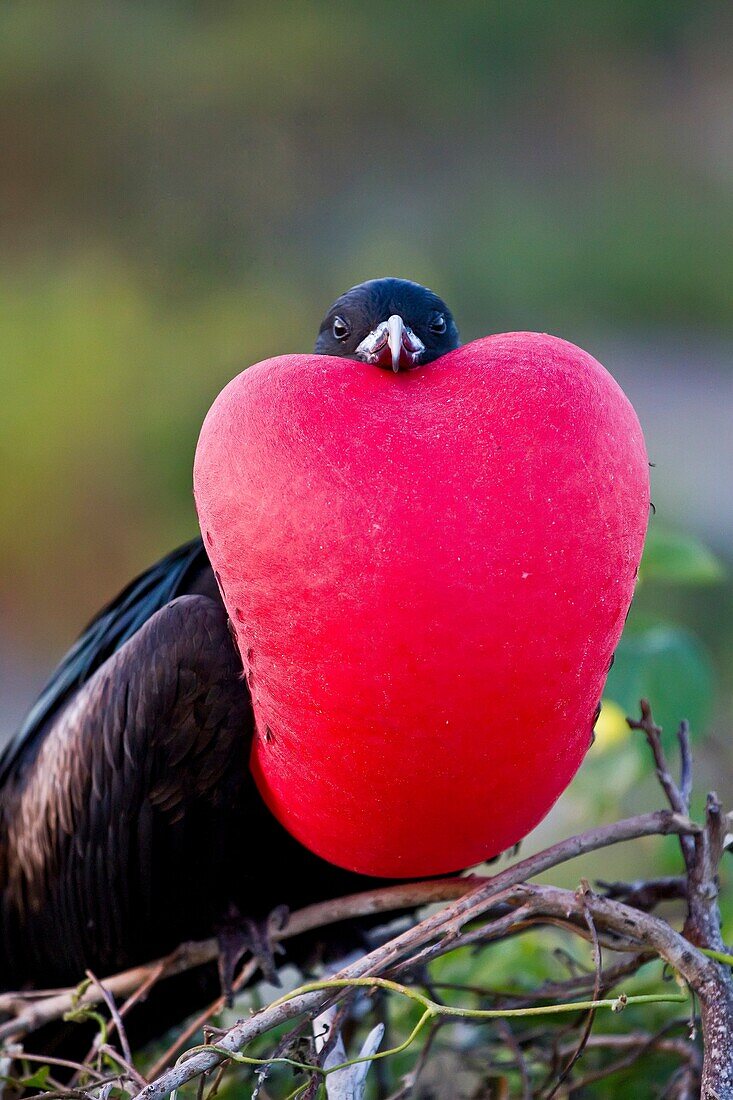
{"x":544,"y":900}
{"x":637,"y":1045}
{"x":556,"y":991}
{"x":683,"y":739}
{"x":115,"y":1016}
{"x":245,"y":975}
{"x":509,"y":1037}
{"x":646,"y":893}
{"x":582,"y":893}
{"x":481,"y":910}
{"x":471,"y":892}
{"x":679,"y":799}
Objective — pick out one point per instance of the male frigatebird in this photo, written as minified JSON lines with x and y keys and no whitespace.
{"x":129,"y":821}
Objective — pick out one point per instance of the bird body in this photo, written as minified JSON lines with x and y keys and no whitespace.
{"x":129,"y":819}
{"x":423,"y":558}
{"x":131,"y":782}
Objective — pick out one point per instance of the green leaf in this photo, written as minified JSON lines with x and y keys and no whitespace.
{"x":667,"y":666}
{"x":676,"y":558}
{"x":37,"y":1081}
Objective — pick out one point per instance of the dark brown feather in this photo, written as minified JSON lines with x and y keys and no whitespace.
{"x":136,"y":824}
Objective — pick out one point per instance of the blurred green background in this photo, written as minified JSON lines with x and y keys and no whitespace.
{"x":184,"y":188}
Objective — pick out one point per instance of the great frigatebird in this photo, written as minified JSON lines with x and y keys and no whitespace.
{"x":129,"y":821}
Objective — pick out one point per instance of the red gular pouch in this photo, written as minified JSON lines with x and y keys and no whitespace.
{"x":428,"y":573}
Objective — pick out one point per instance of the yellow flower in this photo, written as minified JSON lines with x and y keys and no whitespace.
{"x":611,"y":727}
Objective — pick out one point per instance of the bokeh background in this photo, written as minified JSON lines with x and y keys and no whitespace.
{"x":184,"y":188}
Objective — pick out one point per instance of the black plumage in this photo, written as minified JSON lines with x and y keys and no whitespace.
{"x":367,"y":305}
{"x":129,"y":820}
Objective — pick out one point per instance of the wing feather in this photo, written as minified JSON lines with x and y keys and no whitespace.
{"x":111,"y":628}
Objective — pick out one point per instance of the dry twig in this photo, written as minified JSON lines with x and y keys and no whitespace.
{"x":482,"y":910}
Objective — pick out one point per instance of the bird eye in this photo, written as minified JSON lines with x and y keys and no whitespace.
{"x":340,"y":329}
{"x":438,"y":324}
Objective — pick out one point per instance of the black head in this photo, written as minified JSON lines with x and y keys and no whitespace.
{"x":392,"y":323}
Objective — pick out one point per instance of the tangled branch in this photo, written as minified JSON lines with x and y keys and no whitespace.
{"x":480,"y":910}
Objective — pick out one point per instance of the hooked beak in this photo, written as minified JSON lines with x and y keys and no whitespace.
{"x":391,"y":344}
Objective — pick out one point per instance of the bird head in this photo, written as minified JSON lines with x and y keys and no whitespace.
{"x":392,"y":323}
